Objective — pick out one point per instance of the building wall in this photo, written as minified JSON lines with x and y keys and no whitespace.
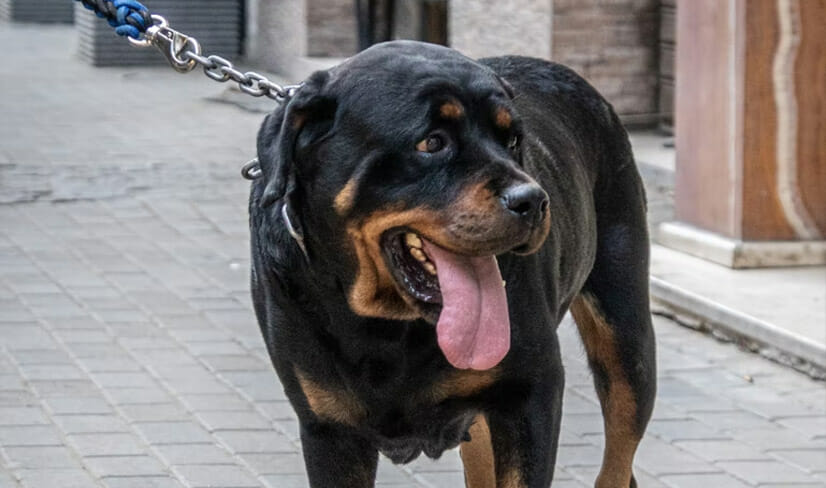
{"x":614,"y":44}
{"x":480,"y":28}
{"x":331,"y":28}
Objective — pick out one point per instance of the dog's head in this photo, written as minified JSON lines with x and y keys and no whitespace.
{"x":405,"y":162}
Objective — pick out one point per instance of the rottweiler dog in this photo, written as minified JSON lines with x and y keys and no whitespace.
{"x":423,"y":223}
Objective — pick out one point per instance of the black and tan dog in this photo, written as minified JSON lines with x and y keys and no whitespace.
{"x":423,"y":224}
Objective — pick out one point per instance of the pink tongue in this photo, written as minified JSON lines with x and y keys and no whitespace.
{"x":473,"y":328}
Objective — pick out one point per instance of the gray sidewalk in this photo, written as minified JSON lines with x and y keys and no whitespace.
{"x":129,"y":356}
{"x":779,"y":312}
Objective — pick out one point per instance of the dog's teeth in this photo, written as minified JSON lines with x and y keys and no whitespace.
{"x":429,"y":267}
{"x":418,"y":254}
{"x":504,"y":283}
{"x":412,"y":240}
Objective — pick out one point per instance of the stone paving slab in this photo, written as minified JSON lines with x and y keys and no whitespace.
{"x":129,"y":354}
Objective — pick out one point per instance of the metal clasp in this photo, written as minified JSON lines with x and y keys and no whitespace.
{"x":173,"y":45}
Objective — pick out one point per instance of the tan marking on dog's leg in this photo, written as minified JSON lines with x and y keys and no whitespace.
{"x":345,"y":198}
{"x":512,"y":479}
{"x":503,"y":118}
{"x":462,"y":383}
{"x":477,"y":456}
{"x":619,"y":408}
{"x":451,"y":110}
{"x":373,"y":293}
{"x":335,"y":406}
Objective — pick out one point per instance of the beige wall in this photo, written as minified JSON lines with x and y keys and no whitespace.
{"x":612,"y":43}
{"x":331,"y":28}
{"x":481,"y":28}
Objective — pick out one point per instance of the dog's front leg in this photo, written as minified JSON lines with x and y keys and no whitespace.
{"x":337,"y":458}
{"x":515,"y":446}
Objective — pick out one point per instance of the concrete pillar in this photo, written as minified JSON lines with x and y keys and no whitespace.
{"x":750,"y":183}
{"x":277,"y":36}
{"x":480,"y":28}
{"x":296,"y":37}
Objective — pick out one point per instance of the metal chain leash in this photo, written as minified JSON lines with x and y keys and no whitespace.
{"x":184,"y":54}
{"x":131,"y":19}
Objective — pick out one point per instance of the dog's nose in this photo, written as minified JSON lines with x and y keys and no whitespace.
{"x":527,"y":201}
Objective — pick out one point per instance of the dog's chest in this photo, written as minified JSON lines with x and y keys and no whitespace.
{"x":403,"y":432}
{"x":409,"y":400}
{"x":429,"y":413}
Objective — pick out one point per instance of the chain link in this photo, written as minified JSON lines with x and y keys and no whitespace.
{"x":184,"y":53}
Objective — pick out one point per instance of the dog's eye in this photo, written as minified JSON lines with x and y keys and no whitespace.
{"x":434,"y":142}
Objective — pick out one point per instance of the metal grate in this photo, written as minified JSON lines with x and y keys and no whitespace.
{"x":51,"y":11}
{"x":215,"y":23}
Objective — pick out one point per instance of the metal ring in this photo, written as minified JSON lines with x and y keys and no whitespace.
{"x":258,"y":85}
{"x":158,"y":22}
{"x":252,"y":170}
{"x":292,"y":89}
{"x":202,"y":60}
{"x":282,"y":93}
{"x":237,"y":76}
{"x":215,"y":72}
{"x":178,"y":52}
{"x":275,"y":95}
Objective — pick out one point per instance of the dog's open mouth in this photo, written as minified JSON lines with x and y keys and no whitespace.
{"x":463,"y":295}
{"x":412,"y":269}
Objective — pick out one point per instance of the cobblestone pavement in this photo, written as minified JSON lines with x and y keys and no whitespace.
{"x":129,"y":356}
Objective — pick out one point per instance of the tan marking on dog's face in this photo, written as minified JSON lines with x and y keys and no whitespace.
{"x":374,"y":292}
{"x":477,"y":216}
{"x":298,"y":120}
{"x":618,"y":404}
{"x":462,"y":383}
{"x":472,"y":225}
{"x":503,"y":118}
{"x":477,"y":456}
{"x":478,"y":198}
{"x":335,"y":406}
{"x":345,"y":198}
{"x":452,"y":110}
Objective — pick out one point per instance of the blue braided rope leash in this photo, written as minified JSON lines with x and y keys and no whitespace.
{"x":130,"y":18}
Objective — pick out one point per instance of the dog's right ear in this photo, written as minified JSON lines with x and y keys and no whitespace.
{"x":309,"y":115}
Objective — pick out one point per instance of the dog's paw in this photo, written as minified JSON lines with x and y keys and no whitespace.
{"x":605,"y":482}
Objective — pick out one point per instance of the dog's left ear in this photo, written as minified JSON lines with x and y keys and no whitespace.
{"x":308,"y":115}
